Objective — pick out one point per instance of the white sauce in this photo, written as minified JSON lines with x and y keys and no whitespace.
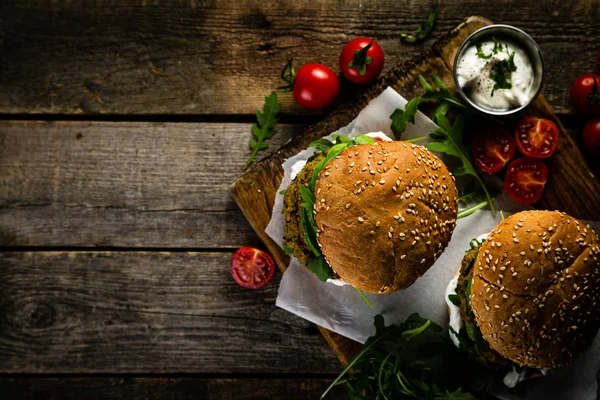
{"x":513,"y":378}
{"x":379,"y":135}
{"x":337,"y":282}
{"x":473,"y":76}
{"x":455,"y":321}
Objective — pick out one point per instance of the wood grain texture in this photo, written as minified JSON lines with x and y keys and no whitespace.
{"x":138,"y":312}
{"x":223,"y":57}
{"x":573,"y":174}
{"x":136,"y":388}
{"x":123,"y":184}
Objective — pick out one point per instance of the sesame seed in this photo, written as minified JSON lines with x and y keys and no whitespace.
{"x":348,"y":205}
{"x":403,"y":256}
{"x":360,"y":219}
{"x":381,"y":182}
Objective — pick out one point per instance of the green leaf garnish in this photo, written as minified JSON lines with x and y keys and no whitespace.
{"x":425,"y":28}
{"x":287,"y":249}
{"x":450,"y":141}
{"x":360,"y":60}
{"x":265,"y":129}
{"x":412,"y":360}
{"x":454,"y":299}
{"x":501,"y":73}
{"x":481,"y":54}
{"x":400,"y":118}
{"x":320,"y":268}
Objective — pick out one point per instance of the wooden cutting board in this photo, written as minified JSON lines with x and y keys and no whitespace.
{"x":572,"y":186}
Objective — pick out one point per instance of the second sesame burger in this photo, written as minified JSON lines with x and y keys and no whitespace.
{"x":375,"y":215}
{"x":528,"y":298}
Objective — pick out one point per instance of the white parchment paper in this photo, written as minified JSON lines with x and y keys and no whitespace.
{"x":341,"y":310}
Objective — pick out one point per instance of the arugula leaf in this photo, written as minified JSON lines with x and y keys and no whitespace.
{"x":307,"y":220}
{"x":450,"y":141}
{"x":265,"y":129}
{"x":287,"y":249}
{"x":321,"y":268}
{"x":454,"y":299}
{"x":414,"y":359}
{"x":321,"y":144}
{"x":363,"y":139}
{"x":400,"y":118}
{"x":425,"y":28}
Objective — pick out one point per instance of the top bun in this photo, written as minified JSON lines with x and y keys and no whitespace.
{"x":384,"y":213}
{"x":536,"y":286}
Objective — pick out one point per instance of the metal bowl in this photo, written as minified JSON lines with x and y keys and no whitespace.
{"x":516,"y":36}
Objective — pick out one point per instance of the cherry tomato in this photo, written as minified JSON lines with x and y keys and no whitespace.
{"x":252,"y":268}
{"x":591,"y":137}
{"x":525,"y":180}
{"x":536,"y":137}
{"x":359,"y":67}
{"x":315,"y":86}
{"x":584,"y":97}
{"x":492,"y":149}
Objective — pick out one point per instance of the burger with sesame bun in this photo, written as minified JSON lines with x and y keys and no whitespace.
{"x":371,"y":214}
{"x":527,"y":296}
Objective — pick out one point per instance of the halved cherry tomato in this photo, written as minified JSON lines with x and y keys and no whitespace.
{"x":492,"y":149}
{"x":591,"y":137}
{"x":315,"y":86}
{"x":252,"y":268}
{"x":361,"y":66}
{"x":536,"y":137}
{"x":585,"y":95}
{"x":525,"y":180}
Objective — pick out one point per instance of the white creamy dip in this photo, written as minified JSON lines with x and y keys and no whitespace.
{"x":474,"y":76}
{"x":455,"y":322}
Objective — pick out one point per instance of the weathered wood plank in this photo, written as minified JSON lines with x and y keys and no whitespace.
{"x":197,"y":57}
{"x":123,"y":184}
{"x":135,"y":388}
{"x":136,"y":312}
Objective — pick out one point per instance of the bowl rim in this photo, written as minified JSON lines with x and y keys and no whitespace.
{"x":524,"y":35}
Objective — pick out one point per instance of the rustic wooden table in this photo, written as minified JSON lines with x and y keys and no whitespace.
{"x":123,"y":125}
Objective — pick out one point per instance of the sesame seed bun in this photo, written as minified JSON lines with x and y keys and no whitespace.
{"x":536,"y":287}
{"x":385,"y":212}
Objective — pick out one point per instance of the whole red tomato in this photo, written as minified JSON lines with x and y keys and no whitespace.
{"x":585,"y":96}
{"x":315,"y":86}
{"x":591,"y":137}
{"x":252,"y":268}
{"x":359,"y":65}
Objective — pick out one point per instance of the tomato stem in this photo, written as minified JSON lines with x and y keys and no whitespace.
{"x":360,"y":60}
